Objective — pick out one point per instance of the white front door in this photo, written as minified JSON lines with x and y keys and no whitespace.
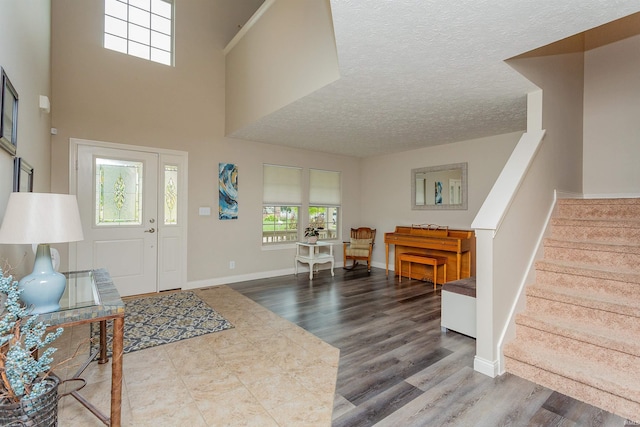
{"x":117,"y":194}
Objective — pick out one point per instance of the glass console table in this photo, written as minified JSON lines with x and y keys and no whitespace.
{"x":90,"y":297}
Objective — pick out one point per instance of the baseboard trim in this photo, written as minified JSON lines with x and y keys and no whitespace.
{"x":196,"y":284}
{"x":612,"y":196}
{"x":302,"y":269}
{"x":239,"y":278}
{"x":381,"y":265}
{"x":486,"y":367}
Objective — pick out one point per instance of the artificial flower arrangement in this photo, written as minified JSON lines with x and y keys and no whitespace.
{"x":312,"y":231}
{"x":21,"y":372}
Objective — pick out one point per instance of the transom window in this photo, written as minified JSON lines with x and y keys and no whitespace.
{"x":142,"y":28}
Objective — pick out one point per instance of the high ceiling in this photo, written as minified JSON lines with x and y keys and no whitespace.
{"x":417,"y":73}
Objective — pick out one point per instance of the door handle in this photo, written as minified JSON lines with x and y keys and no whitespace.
{"x":151,"y":230}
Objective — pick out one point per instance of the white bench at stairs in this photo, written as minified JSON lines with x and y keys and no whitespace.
{"x":458,"y":309}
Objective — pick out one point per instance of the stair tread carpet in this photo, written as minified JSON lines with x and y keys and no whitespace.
{"x":596,"y":334}
{"x":587,"y":393}
{"x":606,"y":302}
{"x":588,"y":270}
{"x":598,"y":223}
{"x":595,"y":245}
{"x":596,"y":374}
{"x":603,"y":201}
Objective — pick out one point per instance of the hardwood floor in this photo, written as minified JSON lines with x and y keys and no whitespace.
{"x":396,"y":366}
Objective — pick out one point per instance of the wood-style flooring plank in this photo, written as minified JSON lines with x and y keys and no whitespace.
{"x":443,"y":404}
{"x":493,"y":409}
{"x":384,"y":373}
{"x":379,"y":406}
{"x":397,"y":368}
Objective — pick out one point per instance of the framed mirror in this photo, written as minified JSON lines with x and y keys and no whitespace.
{"x":442,"y":187}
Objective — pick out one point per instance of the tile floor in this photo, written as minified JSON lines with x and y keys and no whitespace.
{"x":264,"y":372}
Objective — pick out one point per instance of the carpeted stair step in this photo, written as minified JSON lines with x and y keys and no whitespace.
{"x":596,"y":229}
{"x":565,"y":303}
{"x":580,"y":332}
{"x":611,"y":209}
{"x":615,"y":340}
{"x":589,"y":381}
{"x":618,"y":361}
{"x":624,"y":256}
{"x":623,"y":364}
{"x":587,"y":278}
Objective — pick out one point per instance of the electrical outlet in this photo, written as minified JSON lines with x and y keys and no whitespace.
{"x":232,"y":265}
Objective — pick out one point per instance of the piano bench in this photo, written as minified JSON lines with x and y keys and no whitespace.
{"x":458,"y":309}
{"x":424,"y":259}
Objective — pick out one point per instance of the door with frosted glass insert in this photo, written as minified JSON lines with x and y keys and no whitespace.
{"x":117,"y":196}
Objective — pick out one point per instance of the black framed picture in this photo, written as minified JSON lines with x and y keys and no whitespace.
{"x":8,"y":115}
{"x":22,"y":176}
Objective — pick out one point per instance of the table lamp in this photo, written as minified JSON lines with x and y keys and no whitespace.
{"x":41,"y":218}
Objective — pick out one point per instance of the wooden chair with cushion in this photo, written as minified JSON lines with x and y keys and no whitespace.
{"x":360,"y":247}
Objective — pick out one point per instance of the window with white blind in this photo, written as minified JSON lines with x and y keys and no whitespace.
{"x":282,"y":198}
{"x":142,"y":28}
{"x":324,"y":202}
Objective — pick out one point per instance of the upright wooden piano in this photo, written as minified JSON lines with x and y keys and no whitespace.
{"x":456,"y":245}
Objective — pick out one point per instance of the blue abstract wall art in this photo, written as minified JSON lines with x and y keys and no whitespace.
{"x":227,"y":191}
{"x":438,"y":192}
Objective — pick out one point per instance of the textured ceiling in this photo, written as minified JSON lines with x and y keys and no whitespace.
{"x":417,"y":73}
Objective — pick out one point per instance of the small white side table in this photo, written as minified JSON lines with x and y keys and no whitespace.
{"x":312,"y":254}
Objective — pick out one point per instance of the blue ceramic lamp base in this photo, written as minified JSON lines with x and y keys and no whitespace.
{"x":43,"y":288}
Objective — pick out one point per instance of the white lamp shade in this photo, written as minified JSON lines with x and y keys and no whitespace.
{"x":41,"y":218}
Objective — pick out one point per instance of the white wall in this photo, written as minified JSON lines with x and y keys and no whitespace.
{"x":104,"y":95}
{"x":288,"y":52}
{"x":386,"y":185}
{"x":95,"y":93}
{"x":611,"y":125}
{"x":507,"y":253}
{"x":24,"y":55}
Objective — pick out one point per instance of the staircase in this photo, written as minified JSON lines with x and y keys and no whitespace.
{"x":580,"y":332}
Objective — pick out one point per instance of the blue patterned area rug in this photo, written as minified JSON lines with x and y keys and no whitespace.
{"x":157,"y":320}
